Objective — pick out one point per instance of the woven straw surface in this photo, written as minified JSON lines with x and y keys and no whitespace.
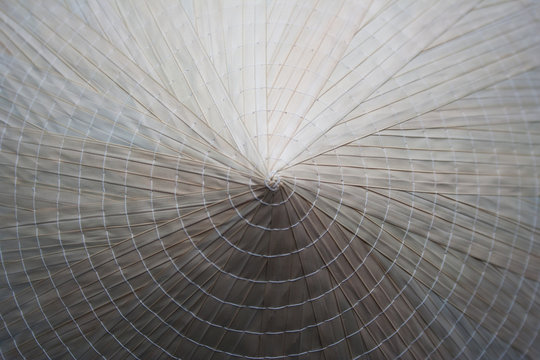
{"x":313,"y":179}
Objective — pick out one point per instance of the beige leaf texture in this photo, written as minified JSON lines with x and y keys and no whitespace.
{"x":185,"y":179}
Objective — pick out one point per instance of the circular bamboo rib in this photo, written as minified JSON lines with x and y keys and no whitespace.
{"x":267,"y":180}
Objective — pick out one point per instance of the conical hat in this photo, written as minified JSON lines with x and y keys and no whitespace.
{"x":270,"y":179}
